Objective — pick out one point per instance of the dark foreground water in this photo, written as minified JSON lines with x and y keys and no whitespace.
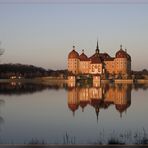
{"x":73,"y":115}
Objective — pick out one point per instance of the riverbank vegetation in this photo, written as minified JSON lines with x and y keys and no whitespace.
{"x":127,"y":138}
{"x":143,"y":74}
{"x":8,"y":71}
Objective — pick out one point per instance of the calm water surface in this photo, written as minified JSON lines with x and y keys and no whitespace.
{"x":83,"y":114}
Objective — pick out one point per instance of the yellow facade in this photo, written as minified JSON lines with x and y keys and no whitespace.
{"x":73,"y":65}
{"x":84,"y":67}
{"x":95,"y":68}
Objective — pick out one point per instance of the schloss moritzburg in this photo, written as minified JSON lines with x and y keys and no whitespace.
{"x":99,"y":65}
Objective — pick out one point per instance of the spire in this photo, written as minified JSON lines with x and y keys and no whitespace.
{"x":97,"y":48}
{"x":82,"y":50}
{"x":121,"y":47}
{"x":73,"y":47}
{"x":97,"y":113}
{"x":97,"y":45}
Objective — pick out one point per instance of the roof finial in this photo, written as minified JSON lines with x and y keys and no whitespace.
{"x":121,"y":46}
{"x":82,"y":50}
{"x":73,"y":47}
{"x":125,"y":50}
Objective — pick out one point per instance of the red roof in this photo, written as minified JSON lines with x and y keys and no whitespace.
{"x":73,"y":55}
{"x":95,"y":59}
{"x":100,"y":57}
{"x":104,"y":56}
{"x":121,"y":54}
{"x":92,"y":56}
{"x":83,"y":57}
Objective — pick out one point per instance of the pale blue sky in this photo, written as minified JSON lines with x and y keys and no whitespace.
{"x":43,"y":34}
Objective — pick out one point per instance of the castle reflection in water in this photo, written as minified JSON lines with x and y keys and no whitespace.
{"x":100,"y":98}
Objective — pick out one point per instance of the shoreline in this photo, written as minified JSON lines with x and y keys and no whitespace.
{"x":47,"y":80}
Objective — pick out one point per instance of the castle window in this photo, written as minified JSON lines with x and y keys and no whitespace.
{"x":92,"y":68}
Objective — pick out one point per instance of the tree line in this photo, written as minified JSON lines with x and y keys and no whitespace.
{"x":142,"y":74}
{"x":28,"y":71}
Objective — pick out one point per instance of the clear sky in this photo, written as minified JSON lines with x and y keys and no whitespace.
{"x":43,"y":34}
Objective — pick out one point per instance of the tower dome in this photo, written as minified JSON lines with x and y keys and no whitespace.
{"x":83,"y":56}
{"x":73,"y":54}
{"x":121,"y":53}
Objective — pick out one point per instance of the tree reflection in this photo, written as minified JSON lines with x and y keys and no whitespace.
{"x":137,"y":86}
{"x":26,"y":88}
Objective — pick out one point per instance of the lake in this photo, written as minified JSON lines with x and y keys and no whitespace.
{"x":57,"y":114}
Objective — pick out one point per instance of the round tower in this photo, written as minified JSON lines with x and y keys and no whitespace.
{"x":73,"y":61}
{"x":122,"y":62}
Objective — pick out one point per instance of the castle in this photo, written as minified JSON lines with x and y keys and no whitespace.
{"x":100,"y":63}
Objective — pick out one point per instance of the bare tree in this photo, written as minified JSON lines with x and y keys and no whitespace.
{"x":1,"y":50}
